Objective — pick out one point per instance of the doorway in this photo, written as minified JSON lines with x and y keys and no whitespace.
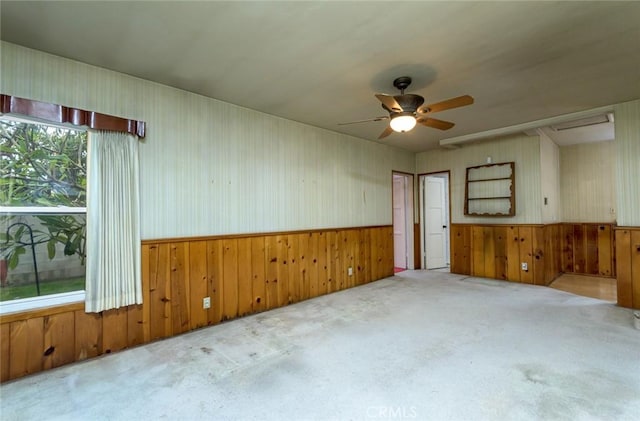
{"x":402,"y":221}
{"x":435,"y":215}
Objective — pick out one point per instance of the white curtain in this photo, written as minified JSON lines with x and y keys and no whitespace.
{"x":113,"y":222}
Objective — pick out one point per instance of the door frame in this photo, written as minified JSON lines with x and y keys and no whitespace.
{"x":422,"y":177}
{"x":409,"y":190}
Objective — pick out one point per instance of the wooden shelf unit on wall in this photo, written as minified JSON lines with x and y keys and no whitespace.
{"x":490,"y":190}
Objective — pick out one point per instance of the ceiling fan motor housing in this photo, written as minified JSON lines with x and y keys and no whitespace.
{"x":409,"y":102}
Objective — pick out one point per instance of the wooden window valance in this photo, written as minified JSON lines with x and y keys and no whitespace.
{"x":60,"y":114}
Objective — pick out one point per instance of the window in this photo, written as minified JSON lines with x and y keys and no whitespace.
{"x":43,"y":178}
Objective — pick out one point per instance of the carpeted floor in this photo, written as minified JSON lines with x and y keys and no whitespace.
{"x":419,"y":345}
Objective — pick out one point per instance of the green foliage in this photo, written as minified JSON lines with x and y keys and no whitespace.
{"x":48,"y":287}
{"x":42,"y":166}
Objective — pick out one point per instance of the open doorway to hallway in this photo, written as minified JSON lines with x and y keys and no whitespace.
{"x":435,"y":220}
{"x":402,"y":221}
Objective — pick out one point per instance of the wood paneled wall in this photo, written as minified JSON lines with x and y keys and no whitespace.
{"x":497,"y":251}
{"x":588,"y":249}
{"x":628,"y":266}
{"x":241,"y":274}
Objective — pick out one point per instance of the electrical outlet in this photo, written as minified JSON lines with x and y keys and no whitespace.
{"x":206,"y":302}
{"x":350,"y":271}
{"x":525,"y":266}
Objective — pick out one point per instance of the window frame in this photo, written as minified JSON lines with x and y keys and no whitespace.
{"x":20,"y":305}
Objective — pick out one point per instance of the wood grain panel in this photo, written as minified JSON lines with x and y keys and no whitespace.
{"x":579,"y":249}
{"x":35,"y":333}
{"x":59,"y":337}
{"x":489,"y":249}
{"x":635,"y":268}
{"x":135,"y":325}
{"x":311,"y":259}
{"x":5,"y":340}
{"x":215,"y":275}
{"x":323,"y":269}
{"x":245,"y":279}
{"x":282,"y":270}
{"x":513,"y":253}
{"x":526,"y":254}
{"x":567,"y":248}
{"x":230,"y":279}
{"x":352,"y":249}
{"x":460,"y":249}
{"x":88,"y":335}
{"x":373,"y":252}
{"x":271,"y":251}
{"x":477,"y":251}
{"x":114,"y":330}
{"x":538,"y":257}
{"x":553,"y":254}
{"x":180,"y":297}
{"x":623,"y":268}
{"x":298,"y":283}
{"x":19,"y":346}
{"x":417,"y":247}
{"x":605,"y":251}
{"x":146,"y":308}
{"x":259,"y":281}
{"x":160,"y":325}
{"x":591,"y":249}
{"x":176,"y":275}
{"x":387,"y":244}
{"x":340,"y":259}
{"x":366,"y":253}
{"x":500,"y":252}
{"x":198,"y":284}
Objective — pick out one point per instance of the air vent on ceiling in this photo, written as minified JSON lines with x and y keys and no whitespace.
{"x":583,"y":122}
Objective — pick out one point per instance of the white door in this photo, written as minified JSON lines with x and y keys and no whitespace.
{"x":436,"y":225}
{"x":399,"y":222}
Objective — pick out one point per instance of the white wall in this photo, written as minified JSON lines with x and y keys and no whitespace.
{"x":550,"y":180}
{"x":523,"y":150}
{"x":587,"y":182}
{"x":627,"y":126}
{"x":209,"y":167}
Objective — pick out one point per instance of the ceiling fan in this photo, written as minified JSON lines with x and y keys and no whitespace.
{"x":405,"y":110}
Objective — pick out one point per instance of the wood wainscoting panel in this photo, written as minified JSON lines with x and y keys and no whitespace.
{"x":624,"y":268}
{"x":460,"y":249}
{"x":635,"y":268}
{"x":628,"y":266}
{"x":513,"y":253}
{"x":498,"y":251}
{"x":5,"y":340}
{"x":588,"y":249}
{"x":241,"y":274}
{"x":198,"y":284}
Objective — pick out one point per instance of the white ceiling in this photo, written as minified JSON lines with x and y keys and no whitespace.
{"x":320,"y":63}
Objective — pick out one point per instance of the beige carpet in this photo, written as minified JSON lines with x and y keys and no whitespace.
{"x":419,"y":345}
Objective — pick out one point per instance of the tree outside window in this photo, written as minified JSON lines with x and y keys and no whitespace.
{"x":43,"y":178}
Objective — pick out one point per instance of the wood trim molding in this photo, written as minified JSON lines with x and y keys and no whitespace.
{"x":41,"y":312}
{"x":60,"y":114}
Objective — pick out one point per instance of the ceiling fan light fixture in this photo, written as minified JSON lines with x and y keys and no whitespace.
{"x":403,"y":122}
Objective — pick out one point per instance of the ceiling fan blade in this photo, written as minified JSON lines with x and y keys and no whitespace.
{"x":435,"y":123}
{"x":384,"y":117}
{"x":386,"y":132}
{"x":389,"y":103}
{"x":460,"y":101}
